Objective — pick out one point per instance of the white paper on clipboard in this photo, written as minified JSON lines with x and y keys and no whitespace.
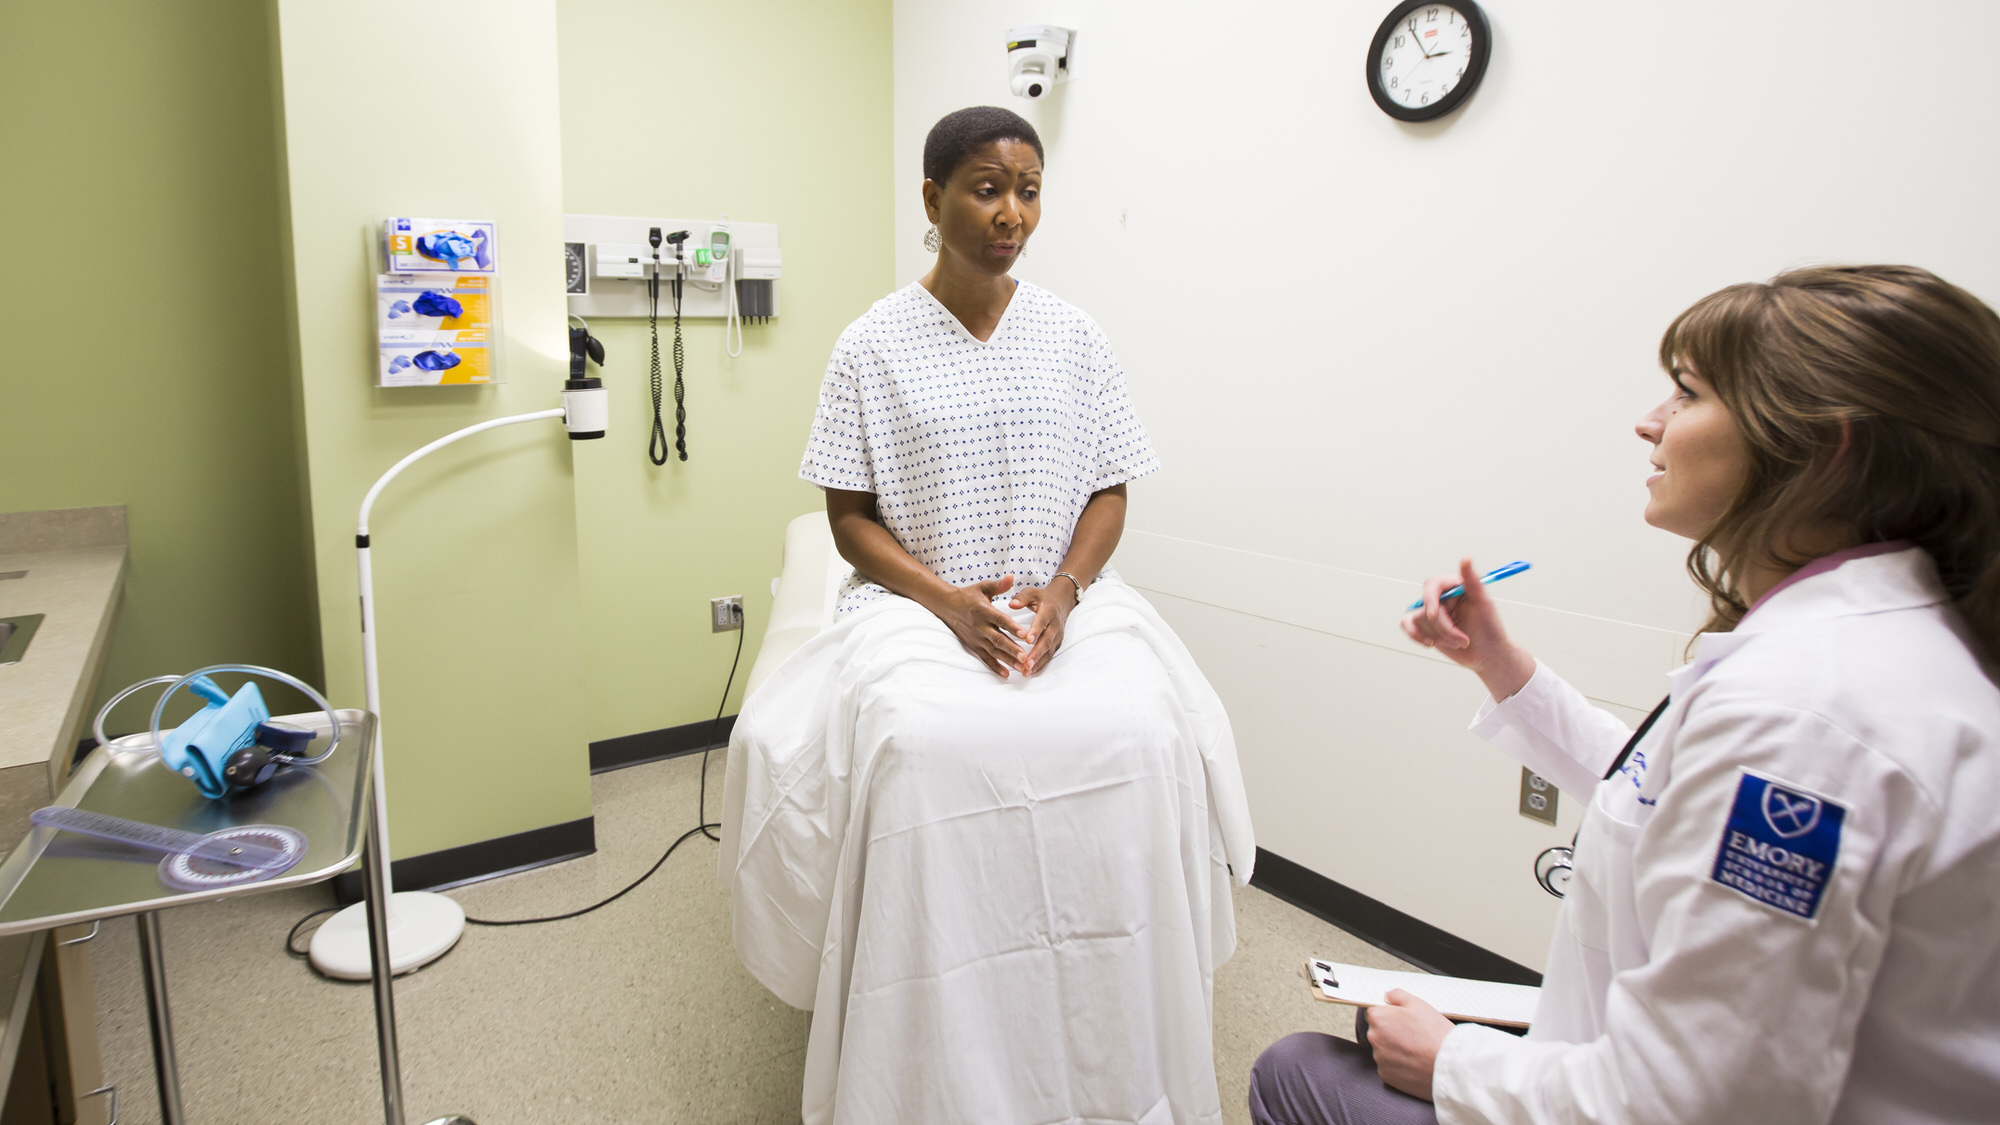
{"x":1511,"y":1005}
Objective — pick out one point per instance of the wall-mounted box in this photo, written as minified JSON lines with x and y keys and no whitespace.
{"x":619,"y":259}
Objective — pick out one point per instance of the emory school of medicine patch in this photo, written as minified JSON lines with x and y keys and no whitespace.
{"x":1779,"y":846}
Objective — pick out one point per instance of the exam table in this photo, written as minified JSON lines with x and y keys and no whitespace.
{"x":803,"y":601}
{"x":1101,"y":814}
{"x":803,"y":596}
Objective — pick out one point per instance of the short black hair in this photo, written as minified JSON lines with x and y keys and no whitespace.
{"x":958,"y":135}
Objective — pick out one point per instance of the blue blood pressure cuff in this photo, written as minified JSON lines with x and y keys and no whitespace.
{"x":1780,"y":846}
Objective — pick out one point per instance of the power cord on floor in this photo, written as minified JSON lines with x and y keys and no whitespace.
{"x":702,"y":825}
{"x":300,"y":924}
{"x":681,"y":839}
{"x":701,"y":813}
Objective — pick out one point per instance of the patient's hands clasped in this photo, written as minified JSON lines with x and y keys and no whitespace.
{"x":994,"y":637}
{"x":1051,"y":604}
{"x":984,"y":628}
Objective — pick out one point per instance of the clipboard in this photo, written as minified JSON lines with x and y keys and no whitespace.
{"x":1479,"y":1001}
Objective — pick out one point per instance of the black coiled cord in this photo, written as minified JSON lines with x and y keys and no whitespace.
{"x":656,"y":449}
{"x":680,"y":388}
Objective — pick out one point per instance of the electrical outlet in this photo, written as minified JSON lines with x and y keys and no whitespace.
{"x":1538,"y":797}
{"x":725,"y":614}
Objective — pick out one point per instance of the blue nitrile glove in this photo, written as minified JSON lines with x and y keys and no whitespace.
{"x":436,"y":302}
{"x":447,"y":246}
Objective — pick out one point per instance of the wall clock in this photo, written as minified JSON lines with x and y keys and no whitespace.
{"x":1428,"y":57}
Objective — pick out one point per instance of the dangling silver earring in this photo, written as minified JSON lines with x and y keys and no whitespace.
{"x":933,"y":241}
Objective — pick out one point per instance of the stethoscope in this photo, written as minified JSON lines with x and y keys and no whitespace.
{"x":1553,"y":866}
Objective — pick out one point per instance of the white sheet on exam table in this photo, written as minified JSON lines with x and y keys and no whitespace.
{"x":1117,"y":795}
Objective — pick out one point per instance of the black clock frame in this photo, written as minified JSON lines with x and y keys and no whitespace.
{"x":1475,"y":67}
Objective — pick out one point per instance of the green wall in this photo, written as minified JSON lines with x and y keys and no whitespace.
{"x":480,"y":631}
{"x":142,"y":320}
{"x":772,"y":111}
{"x":532,"y":595}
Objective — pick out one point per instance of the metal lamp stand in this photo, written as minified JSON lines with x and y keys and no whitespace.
{"x":413,"y":928}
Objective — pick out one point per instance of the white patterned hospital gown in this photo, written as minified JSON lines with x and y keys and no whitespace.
{"x":981,"y":454}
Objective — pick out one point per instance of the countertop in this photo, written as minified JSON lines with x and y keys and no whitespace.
{"x":74,"y":561}
{"x":75,"y":564}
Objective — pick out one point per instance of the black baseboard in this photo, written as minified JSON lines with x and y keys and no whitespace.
{"x":487,"y":859}
{"x":1382,"y":925}
{"x":654,"y":745}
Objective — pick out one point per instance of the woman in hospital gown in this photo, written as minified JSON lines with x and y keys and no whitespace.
{"x":984,"y":826}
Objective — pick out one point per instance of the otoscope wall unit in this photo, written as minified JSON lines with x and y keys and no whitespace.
{"x":725,"y":266}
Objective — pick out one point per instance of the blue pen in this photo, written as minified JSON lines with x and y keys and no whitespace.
{"x":1487,"y":579}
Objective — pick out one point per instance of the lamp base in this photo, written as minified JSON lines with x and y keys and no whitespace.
{"x":422,"y":927}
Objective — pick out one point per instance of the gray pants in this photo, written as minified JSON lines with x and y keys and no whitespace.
{"x":1315,"y":1079}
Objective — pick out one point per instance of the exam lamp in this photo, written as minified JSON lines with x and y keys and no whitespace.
{"x":423,"y":925}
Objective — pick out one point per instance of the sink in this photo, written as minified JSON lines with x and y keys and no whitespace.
{"x":15,"y":633}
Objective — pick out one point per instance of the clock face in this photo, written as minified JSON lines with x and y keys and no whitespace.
{"x":1427,"y":58}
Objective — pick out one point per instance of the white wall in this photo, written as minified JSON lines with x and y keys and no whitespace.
{"x":1440,"y":340}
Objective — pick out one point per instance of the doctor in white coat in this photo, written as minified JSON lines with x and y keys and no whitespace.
{"x":1785,"y":903}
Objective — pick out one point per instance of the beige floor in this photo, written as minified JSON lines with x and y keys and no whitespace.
{"x":638,"y":1013}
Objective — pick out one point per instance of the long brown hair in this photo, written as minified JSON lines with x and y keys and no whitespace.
{"x":1869,"y":398}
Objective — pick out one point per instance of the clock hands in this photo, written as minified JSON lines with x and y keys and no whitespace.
{"x":1418,"y":39}
{"x":1427,"y":52}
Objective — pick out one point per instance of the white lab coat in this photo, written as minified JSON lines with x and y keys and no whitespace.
{"x":1674,"y":996}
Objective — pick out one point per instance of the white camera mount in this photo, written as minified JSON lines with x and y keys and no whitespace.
{"x":1039,"y":58}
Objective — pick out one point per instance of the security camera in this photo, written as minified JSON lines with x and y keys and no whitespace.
{"x":1038,"y":57}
